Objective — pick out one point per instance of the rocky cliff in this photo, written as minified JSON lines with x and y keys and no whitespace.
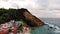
{"x":17,"y":14}
{"x":34,"y":21}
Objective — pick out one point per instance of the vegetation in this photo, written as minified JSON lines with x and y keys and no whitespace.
{"x":14,"y":14}
{"x":10,"y":14}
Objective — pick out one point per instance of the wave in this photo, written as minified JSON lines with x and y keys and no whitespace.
{"x":53,"y":27}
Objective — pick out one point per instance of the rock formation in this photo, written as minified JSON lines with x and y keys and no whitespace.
{"x":34,"y":20}
{"x":17,"y":14}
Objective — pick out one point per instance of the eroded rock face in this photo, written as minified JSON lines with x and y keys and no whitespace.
{"x":17,"y":14}
{"x":34,"y":19}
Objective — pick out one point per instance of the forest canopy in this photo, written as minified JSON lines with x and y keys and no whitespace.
{"x":19,"y":14}
{"x":10,"y":14}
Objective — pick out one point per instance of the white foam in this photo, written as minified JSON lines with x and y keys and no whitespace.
{"x":56,"y":30}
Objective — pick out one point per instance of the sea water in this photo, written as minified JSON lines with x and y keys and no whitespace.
{"x":51,"y":27}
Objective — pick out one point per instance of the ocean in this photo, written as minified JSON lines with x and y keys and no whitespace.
{"x":55,"y":21}
{"x":52,"y":26}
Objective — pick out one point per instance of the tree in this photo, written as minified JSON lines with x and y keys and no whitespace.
{"x":17,"y":14}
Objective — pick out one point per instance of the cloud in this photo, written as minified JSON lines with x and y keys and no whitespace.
{"x":39,"y":8}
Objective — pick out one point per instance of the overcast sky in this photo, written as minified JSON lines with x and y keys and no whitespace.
{"x":39,"y":8}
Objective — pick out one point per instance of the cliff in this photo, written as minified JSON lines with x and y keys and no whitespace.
{"x":33,"y":20}
{"x":17,"y":14}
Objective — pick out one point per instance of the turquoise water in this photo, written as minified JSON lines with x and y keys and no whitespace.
{"x":50,"y":28}
{"x":42,"y":30}
{"x":46,"y":28}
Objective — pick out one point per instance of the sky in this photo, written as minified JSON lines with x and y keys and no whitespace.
{"x":39,"y":8}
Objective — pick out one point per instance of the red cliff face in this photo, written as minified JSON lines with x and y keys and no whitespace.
{"x":17,"y":14}
{"x":33,"y":18}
